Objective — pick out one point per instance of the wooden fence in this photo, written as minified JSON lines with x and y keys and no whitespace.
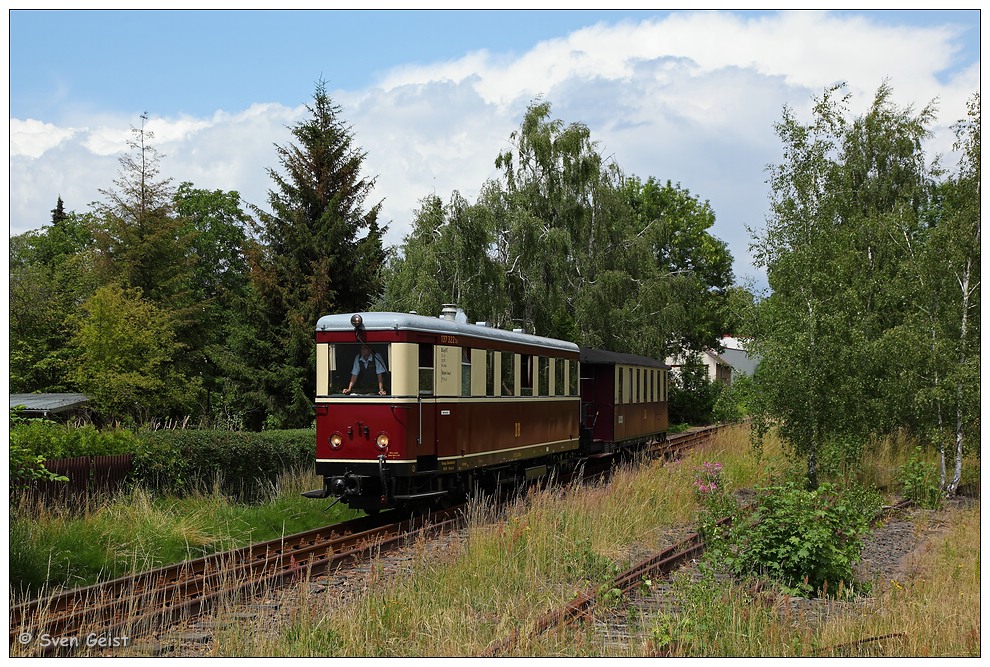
{"x":88,"y":475}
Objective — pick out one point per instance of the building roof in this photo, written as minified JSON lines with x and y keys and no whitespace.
{"x":48,"y":403}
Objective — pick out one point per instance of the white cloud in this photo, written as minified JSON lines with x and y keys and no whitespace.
{"x":31,"y":138}
{"x":691,"y":98}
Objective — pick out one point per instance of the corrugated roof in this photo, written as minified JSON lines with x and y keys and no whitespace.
{"x":48,"y":403}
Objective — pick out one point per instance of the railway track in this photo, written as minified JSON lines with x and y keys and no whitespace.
{"x":133,"y":605}
{"x":140,"y":603}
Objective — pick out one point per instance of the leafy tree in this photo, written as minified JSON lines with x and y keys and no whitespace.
{"x":683,"y":273}
{"x":320,"y":251}
{"x":217,"y":226}
{"x":692,"y":397}
{"x":50,"y":274}
{"x":554,"y":220}
{"x":565,"y":246}
{"x":445,"y":259}
{"x":846,"y":197}
{"x":954,"y":248}
{"x":126,"y":363}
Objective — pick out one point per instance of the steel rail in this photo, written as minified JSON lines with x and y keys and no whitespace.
{"x":136,"y":603}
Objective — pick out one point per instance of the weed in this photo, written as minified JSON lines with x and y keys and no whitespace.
{"x":920,"y":481}
{"x":803,"y":539}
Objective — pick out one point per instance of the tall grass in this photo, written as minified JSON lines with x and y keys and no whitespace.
{"x":54,"y":545}
{"x":456,"y":596}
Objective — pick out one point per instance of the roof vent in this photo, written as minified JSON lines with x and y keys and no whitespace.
{"x":449,"y":312}
{"x":517,"y":331}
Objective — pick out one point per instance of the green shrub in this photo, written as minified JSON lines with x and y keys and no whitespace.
{"x":61,"y":441}
{"x":26,"y":464}
{"x":716,"y":505}
{"x":805,"y":540}
{"x":245,"y":464}
{"x":169,"y":461}
{"x":920,"y":480}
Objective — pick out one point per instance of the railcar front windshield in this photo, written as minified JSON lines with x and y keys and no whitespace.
{"x":360,"y":367}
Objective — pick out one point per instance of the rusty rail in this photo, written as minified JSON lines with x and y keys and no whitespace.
{"x":134,"y":604}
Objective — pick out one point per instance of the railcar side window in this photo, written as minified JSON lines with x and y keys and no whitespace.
{"x":526,"y":378}
{"x":558,"y":377}
{"x":544,"y":366}
{"x":489,"y":372}
{"x":622,"y":396}
{"x":573,"y":379}
{"x":465,"y":371}
{"x":425,"y":369}
{"x":508,"y":374}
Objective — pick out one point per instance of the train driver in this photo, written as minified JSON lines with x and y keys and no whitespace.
{"x":364,"y":371}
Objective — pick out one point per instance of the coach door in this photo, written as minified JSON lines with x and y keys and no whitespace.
{"x":448,"y":390}
{"x":426,"y":419}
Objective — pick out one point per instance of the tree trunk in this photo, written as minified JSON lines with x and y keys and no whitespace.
{"x":953,"y":486}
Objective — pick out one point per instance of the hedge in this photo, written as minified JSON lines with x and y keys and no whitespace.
{"x":245,"y":464}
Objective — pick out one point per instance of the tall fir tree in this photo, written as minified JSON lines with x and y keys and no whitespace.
{"x":320,"y":250}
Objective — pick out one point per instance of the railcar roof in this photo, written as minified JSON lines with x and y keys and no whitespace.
{"x":593,"y":356}
{"x":413,"y":322}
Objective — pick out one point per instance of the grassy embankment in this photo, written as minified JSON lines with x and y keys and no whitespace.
{"x":457,"y":597}
{"x":63,"y":545}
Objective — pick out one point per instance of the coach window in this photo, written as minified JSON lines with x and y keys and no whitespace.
{"x":525,"y":375}
{"x":465,"y":371}
{"x":544,"y":366}
{"x":508,"y":374}
{"x":622,"y":396}
{"x":425,"y":369}
{"x":558,"y":377}
{"x":489,"y":372}
{"x":572,"y":380}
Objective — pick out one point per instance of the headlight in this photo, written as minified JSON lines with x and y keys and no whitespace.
{"x":382,"y":441}
{"x":336,"y":440}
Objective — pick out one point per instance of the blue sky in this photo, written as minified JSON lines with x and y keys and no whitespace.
{"x":432,"y":96}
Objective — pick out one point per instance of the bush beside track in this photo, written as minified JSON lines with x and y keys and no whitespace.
{"x":178,"y":461}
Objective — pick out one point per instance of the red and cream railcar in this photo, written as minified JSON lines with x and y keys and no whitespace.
{"x":623,"y":400}
{"x":458,"y":404}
